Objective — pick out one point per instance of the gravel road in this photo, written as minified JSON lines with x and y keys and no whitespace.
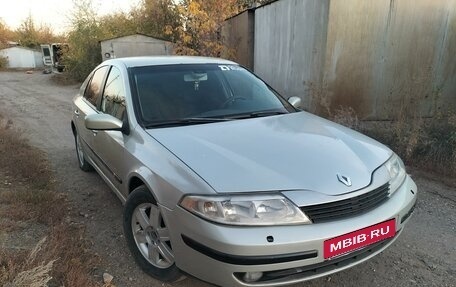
{"x":425,"y":254}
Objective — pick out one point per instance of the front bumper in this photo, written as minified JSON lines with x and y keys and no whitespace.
{"x":222,"y":254}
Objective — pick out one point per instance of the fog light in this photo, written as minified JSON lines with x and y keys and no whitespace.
{"x":252,"y":276}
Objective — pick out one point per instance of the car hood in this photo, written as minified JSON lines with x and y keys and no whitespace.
{"x":297,"y":151}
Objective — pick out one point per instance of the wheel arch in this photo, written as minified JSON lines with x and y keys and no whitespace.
{"x":134,"y":182}
{"x":138,"y":178}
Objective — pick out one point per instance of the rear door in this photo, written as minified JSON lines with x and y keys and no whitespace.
{"x":109,"y":145}
{"x":88,"y":104}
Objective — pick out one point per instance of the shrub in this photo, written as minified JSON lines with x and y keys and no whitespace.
{"x":429,"y":144}
{"x":3,"y":62}
{"x":85,"y":51}
{"x":437,"y":148}
{"x":347,"y":117}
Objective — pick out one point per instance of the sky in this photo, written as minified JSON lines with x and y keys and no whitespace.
{"x":55,"y":13}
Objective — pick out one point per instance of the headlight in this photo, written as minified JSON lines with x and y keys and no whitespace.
{"x":246,"y":210}
{"x":396,"y":170}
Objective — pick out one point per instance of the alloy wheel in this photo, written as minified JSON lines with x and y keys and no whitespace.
{"x":152,"y":236}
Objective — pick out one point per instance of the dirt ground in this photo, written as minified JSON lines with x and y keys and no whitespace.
{"x":425,"y":254}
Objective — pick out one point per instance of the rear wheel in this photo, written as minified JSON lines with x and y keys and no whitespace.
{"x":83,"y":164}
{"x":148,"y":236}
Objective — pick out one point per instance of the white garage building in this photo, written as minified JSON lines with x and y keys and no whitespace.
{"x":21,"y":57}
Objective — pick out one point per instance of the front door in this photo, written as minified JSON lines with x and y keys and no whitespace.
{"x":88,"y":105}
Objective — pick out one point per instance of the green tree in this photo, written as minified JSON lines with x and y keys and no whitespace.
{"x":157,"y":18}
{"x":6,"y":34}
{"x":27,"y":33}
{"x":202,"y":22}
{"x":194,"y":25}
{"x":84,"y":49}
{"x":46,"y":35}
{"x":117,"y":24}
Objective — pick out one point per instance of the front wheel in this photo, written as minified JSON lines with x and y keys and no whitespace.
{"x":148,"y":236}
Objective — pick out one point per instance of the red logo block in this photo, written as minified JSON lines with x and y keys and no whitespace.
{"x":358,"y":239}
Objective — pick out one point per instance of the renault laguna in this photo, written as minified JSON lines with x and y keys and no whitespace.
{"x":223,"y":179}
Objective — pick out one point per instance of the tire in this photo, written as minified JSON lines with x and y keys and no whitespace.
{"x":83,"y":164}
{"x":148,"y":236}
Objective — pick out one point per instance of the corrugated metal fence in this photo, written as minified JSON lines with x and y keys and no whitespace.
{"x":374,"y":56}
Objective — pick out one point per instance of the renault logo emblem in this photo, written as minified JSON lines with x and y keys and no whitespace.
{"x":344,"y":179}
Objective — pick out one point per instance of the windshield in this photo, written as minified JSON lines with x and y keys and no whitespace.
{"x":176,"y":92}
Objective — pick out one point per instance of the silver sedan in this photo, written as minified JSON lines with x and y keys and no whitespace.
{"x":227,"y":181}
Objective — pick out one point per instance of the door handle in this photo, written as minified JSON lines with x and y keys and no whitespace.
{"x":94,"y":133}
{"x":76,"y":112}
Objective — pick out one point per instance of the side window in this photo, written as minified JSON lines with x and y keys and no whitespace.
{"x":113,"y":101}
{"x":93,"y":91}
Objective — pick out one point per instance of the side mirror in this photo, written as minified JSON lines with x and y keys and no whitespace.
{"x":295,"y":102}
{"x":103,"y":122}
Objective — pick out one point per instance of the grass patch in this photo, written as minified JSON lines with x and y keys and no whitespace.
{"x":22,"y":162}
{"x":28,"y":194}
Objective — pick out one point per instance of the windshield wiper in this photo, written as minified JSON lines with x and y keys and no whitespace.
{"x":185,"y":121}
{"x":258,"y":114}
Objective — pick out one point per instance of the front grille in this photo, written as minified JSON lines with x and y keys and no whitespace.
{"x":347,"y":207}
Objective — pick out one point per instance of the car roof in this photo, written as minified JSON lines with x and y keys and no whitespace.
{"x":166,"y":60}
